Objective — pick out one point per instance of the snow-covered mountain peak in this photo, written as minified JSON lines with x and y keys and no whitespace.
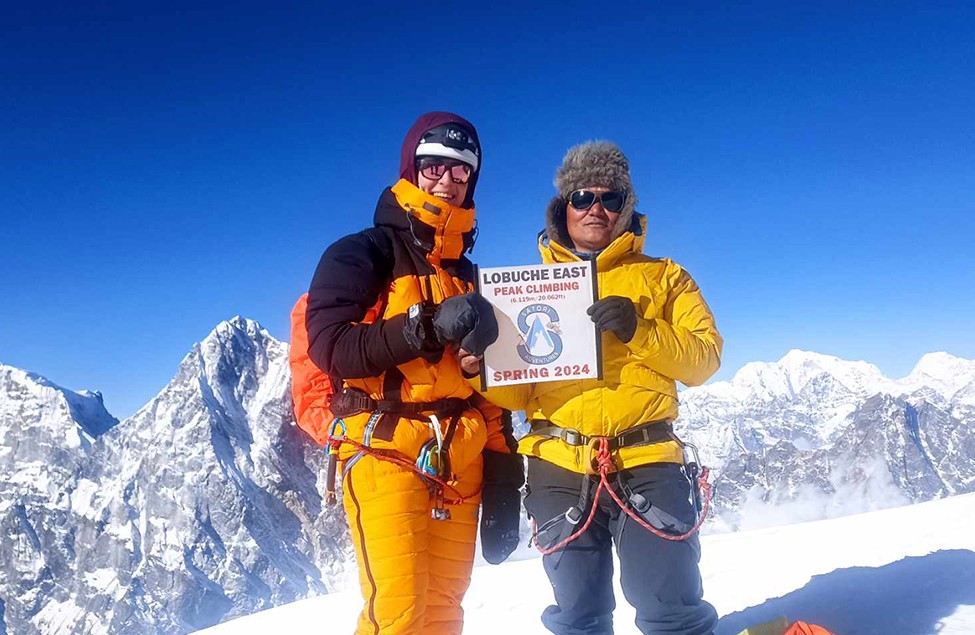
{"x":804,"y":367}
{"x":234,"y":371}
{"x":237,"y":325}
{"x":799,"y":371}
{"x":240,"y":364}
{"x":944,"y":361}
{"x":46,"y":434}
{"x":941,"y":371}
{"x":239,"y":341}
{"x":819,"y":374}
{"x":28,"y":399}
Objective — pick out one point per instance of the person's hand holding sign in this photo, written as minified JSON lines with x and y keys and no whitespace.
{"x":617,"y":314}
{"x":469,"y":362}
{"x":467,"y":320}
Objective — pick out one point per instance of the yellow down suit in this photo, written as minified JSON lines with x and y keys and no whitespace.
{"x":675,"y":340}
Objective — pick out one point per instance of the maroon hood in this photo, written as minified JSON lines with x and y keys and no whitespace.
{"x":407,"y":164}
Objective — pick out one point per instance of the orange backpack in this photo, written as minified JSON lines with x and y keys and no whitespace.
{"x":311,"y":387}
{"x":775,"y":628}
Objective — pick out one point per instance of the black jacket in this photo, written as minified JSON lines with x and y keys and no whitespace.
{"x":351,"y":277}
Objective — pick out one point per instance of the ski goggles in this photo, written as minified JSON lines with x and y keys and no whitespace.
{"x":434,"y":168}
{"x":584,"y":199}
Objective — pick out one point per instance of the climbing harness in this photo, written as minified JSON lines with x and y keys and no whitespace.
{"x":432,"y":465}
{"x":644,"y":434}
{"x":637,"y":507}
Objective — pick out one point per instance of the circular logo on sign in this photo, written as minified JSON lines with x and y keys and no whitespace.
{"x":541,"y":336}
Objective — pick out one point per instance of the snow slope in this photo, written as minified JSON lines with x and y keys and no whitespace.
{"x":903,"y":571}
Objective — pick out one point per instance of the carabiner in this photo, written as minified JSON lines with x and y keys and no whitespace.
{"x":336,"y":423}
{"x":334,"y":443}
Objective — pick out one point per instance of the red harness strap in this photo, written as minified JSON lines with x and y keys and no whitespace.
{"x":604,"y":462}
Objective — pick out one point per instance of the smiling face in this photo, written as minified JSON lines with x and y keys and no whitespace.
{"x":445,"y":188}
{"x":590,"y":229}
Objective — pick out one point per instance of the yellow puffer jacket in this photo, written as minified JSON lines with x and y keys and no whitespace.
{"x":675,"y":340}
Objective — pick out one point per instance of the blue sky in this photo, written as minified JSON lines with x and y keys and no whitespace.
{"x":165,"y":166}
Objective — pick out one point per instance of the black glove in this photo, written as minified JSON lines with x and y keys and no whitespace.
{"x":617,"y":314}
{"x":504,"y":474}
{"x":420,"y":333}
{"x":467,"y":320}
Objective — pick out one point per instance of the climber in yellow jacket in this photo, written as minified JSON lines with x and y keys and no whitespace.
{"x":421,"y":449}
{"x":656,"y":330}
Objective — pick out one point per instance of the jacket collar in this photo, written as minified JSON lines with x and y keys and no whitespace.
{"x":441,"y":230}
{"x":628,"y":242}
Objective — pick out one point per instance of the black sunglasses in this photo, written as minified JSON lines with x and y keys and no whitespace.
{"x":434,"y":168}
{"x":584,"y":199}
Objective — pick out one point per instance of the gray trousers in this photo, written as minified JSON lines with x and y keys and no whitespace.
{"x":660,"y":578}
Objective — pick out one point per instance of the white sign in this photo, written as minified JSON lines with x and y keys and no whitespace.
{"x":544,"y":331}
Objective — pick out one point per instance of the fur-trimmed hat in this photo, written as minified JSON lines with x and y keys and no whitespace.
{"x":591,"y":164}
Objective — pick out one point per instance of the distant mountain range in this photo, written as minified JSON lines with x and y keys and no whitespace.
{"x":813,"y":436}
{"x":208,"y":502}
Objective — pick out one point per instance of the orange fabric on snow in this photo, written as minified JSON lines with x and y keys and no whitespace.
{"x":802,"y":628}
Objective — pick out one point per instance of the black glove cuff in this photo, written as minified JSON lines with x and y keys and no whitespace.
{"x":419,"y":332}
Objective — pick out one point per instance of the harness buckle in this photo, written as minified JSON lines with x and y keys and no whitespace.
{"x":573,"y":515}
{"x":573,"y":436}
{"x":349,"y":402}
{"x":639,"y":502}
